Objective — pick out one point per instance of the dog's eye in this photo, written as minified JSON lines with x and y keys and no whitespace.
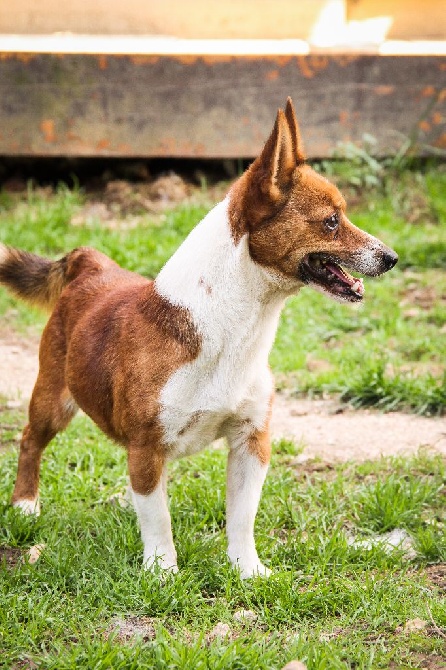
{"x":332,"y":222}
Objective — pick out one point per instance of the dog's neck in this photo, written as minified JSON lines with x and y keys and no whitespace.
{"x":211,"y":274}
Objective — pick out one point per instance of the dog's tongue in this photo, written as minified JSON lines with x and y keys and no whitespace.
{"x":355,"y":284}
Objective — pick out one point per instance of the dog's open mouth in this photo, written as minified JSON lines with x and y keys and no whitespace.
{"x":322,"y":271}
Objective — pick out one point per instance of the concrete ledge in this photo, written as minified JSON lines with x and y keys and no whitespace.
{"x":120,"y":96}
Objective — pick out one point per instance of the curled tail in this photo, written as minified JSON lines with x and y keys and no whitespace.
{"x":40,"y":281}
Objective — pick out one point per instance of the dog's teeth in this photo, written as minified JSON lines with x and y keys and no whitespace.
{"x":358,"y":287}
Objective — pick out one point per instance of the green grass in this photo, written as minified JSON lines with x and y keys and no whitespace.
{"x":391,"y":352}
{"x":43,"y":225}
{"x":330,"y":604}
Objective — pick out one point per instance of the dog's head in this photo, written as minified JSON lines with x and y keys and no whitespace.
{"x":296,"y":220}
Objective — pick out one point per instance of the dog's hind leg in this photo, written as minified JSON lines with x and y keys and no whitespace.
{"x":51,"y":409}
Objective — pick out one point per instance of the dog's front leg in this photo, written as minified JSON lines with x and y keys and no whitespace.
{"x":148,"y":480}
{"x":247,"y":467}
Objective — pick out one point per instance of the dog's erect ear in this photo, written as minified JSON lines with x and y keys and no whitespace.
{"x":277,"y":161}
{"x":266,"y":185}
{"x":295,"y":132}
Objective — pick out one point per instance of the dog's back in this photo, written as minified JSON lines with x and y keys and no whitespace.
{"x":110,"y":339}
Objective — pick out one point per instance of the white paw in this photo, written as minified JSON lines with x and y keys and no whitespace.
{"x":165,"y":561}
{"x":28,"y":506}
{"x":248,"y":570}
{"x":258,"y":570}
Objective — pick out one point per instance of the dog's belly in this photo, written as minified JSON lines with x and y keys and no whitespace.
{"x":198,"y":407}
{"x":188,"y":435}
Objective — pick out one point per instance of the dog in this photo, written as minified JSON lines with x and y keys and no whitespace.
{"x":165,"y":367}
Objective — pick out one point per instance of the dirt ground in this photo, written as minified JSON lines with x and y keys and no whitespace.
{"x":324,"y":428}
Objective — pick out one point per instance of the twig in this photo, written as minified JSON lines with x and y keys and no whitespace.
{"x":437,"y":629}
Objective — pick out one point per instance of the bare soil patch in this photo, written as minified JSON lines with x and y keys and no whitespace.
{"x":437,"y":575}
{"x":426,"y":661}
{"x":129,"y":629}
{"x":19,"y":364}
{"x":25,"y":664}
{"x":11,"y":556}
{"x":324,"y":428}
{"x":333,"y":432}
{"x":121,"y":203}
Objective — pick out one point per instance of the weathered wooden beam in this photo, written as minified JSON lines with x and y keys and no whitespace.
{"x":206,"y":105}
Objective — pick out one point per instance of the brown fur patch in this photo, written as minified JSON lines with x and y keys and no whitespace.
{"x":51,"y":409}
{"x":259,"y":442}
{"x":110,"y":345}
{"x":120,"y":355}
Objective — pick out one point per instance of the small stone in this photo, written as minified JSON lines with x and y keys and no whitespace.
{"x":245,"y":615}
{"x":121,"y":500}
{"x":13,"y":404}
{"x":414,"y":624}
{"x":411,"y":313}
{"x":398,"y":538}
{"x":34,"y":553}
{"x":300,"y":459}
{"x":318,"y":365}
{"x":220,"y":630}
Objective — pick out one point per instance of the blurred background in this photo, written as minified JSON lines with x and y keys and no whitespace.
{"x":203,"y":79}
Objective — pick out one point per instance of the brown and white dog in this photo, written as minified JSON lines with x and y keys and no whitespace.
{"x":165,"y":367}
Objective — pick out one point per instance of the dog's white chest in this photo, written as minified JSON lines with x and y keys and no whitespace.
{"x":229,"y":300}
{"x":219,"y":387}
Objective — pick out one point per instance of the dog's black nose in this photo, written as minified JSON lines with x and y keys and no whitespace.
{"x":390,"y":259}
